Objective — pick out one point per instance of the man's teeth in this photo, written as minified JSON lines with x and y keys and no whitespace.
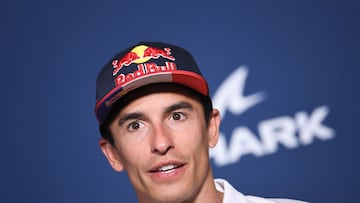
{"x":167,"y":167}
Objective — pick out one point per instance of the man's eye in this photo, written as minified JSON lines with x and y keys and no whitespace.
{"x":134,"y":125}
{"x":177,"y":116}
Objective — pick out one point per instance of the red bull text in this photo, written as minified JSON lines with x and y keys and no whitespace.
{"x":143,"y":69}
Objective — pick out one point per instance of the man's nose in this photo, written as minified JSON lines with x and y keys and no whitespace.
{"x":161,"y":140}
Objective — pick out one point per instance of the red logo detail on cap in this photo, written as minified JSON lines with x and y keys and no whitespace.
{"x":141,"y":54}
{"x":125,"y":61}
{"x":156,"y":53}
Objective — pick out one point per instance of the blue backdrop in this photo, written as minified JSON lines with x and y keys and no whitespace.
{"x":284,"y":73}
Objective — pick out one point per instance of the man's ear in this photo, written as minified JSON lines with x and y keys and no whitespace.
{"x":213,"y":128}
{"x":111,"y":155}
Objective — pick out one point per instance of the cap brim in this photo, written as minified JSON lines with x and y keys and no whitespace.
{"x":186,"y":78}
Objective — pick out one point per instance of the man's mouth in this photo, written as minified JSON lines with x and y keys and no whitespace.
{"x":166,"y":168}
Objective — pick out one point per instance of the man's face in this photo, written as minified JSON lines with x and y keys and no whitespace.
{"x":162,"y":141}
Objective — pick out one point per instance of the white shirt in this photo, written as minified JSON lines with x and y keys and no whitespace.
{"x":231,"y":195}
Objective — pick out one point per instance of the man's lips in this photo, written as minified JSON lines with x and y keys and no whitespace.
{"x":166,"y":167}
{"x":167,"y":171}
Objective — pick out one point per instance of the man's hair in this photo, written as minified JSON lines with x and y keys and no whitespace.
{"x":205,"y":102}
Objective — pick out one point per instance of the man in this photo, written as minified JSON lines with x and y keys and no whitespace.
{"x":157,"y":124}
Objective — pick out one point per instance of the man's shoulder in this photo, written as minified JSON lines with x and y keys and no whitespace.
{"x":232,"y":195}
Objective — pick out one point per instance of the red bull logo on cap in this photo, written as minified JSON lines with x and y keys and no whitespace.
{"x":140,"y":55}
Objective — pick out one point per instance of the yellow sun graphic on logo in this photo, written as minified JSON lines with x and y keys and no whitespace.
{"x":139,"y":50}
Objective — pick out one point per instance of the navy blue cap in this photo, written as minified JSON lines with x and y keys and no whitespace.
{"x":143,"y":64}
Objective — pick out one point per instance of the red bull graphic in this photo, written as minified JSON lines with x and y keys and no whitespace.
{"x":141,"y":54}
{"x":124,"y":61}
{"x":156,"y":53}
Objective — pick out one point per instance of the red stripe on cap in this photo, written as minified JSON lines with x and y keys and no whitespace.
{"x":192,"y":80}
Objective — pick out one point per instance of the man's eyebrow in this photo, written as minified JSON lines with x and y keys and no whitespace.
{"x":130,"y":116}
{"x":180,"y":105}
{"x":139,"y":115}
